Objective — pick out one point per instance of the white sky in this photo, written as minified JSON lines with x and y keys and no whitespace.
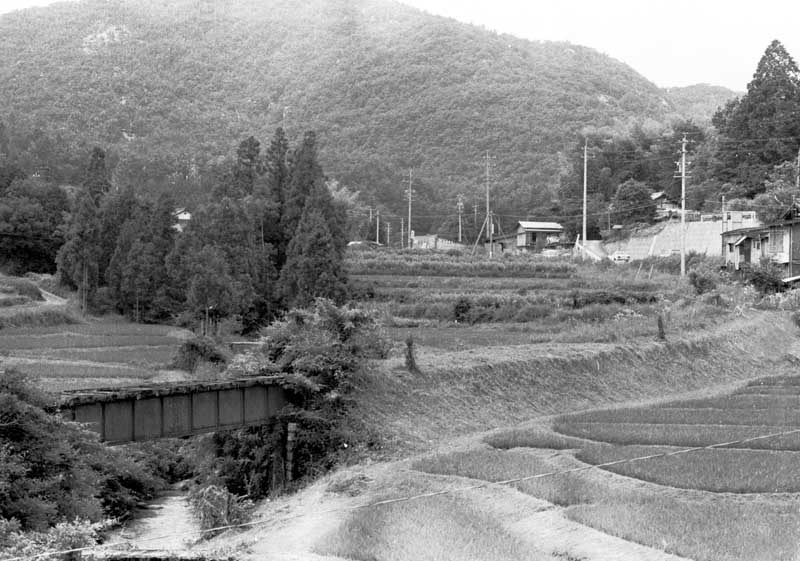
{"x":670,"y":42}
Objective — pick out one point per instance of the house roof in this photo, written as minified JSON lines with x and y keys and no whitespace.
{"x":657,"y":195}
{"x":763,"y":228}
{"x":541,"y":226}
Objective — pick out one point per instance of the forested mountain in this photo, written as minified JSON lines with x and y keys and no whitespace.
{"x":699,"y":102}
{"x":168,"y":89}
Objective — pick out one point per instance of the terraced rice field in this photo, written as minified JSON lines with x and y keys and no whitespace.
{"x":754,"y":435}
{"x":103,"y":353}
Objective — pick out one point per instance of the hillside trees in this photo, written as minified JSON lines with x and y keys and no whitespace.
{"x":229,"y":258}
{"x":314,"y":258}
{"x":632,"y":203}
{"x":78,"y":258}
{"x":762,"y":128}
{"x":31,"y":216}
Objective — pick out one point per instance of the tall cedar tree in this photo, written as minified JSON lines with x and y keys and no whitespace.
{"x":313,"y":260}
{"x":248,"y":166}
{"x":116,"y":208}
{"x":762,"y":128}
{"x":268,"y":198}
{"x":78,"y":257}
{"x":305,"y":174}
{"x":96,"y":182}
{"x":137,"y":273}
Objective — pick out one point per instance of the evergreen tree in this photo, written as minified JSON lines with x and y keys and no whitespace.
{"x":305,"y":174}
{"x":210,"y":293}
{"x":248,"y":166}
{"x":274,"y":182}
{"x":96,"y":181}
{"x":313,"y":262}
{"x":115,"y":209}
{"x":78,"y":257}
{"x":761,"y":129}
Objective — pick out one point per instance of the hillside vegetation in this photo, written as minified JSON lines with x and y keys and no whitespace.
{"x":169,"y":88}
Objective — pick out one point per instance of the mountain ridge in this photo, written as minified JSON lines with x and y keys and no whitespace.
{"x":388,"y":88}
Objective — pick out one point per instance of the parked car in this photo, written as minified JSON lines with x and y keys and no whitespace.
{"x":620,"y":257}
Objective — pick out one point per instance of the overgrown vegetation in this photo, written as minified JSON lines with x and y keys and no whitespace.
{"x":320,"y":352}
{"x":52,"y":471}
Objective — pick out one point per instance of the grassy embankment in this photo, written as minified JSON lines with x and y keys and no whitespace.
{"x":681,"y":504}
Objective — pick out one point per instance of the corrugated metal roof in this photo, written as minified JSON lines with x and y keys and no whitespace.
{"x":540,"y":226}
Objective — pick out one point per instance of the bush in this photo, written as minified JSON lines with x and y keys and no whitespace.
{"x":319,"y":351}
{"x":21,"y":287}
{"x":765,"y":277}
{"x":193,"y":351}
{"x":702,"y":280}
{"x":461,"y":309}
{"x":217,"y":507}
{"x":63,"y":536}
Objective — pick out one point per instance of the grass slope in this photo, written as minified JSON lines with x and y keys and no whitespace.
{"x":478,"y":389}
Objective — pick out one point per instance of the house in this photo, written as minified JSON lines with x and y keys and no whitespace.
{"x":779,"y":242}
{"x":433,"y":241}
{"x":182,"y":218}
{"x":665,"y":208}
{"x":530,"y":237}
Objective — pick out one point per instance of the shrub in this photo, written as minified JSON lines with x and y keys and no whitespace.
{"x":63,"y":536}
{"x":193,"y":351}
{"x":765,"y":277}
{"x":22,"y":287}
{"x":319,"y":351}
{"x":702,"y":280}
{"x":461,"y":309}
{"x":217,"y":507}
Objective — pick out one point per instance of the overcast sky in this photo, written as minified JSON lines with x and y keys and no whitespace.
{"x":672,"y":43}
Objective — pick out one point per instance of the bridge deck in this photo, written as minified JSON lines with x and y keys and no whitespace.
{"x":172,"y":410}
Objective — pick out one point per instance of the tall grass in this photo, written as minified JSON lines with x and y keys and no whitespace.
{"x":36,"y":317}
{"x":443,"y":264}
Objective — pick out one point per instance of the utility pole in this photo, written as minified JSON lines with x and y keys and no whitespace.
{"x":489,"y":222}
{"x":683,"y":205}
{"x":475,"y":215}
{"x":377,"y":226}
{"x":724,"y":216}
{"x":388,"y":234}
{"x":402,"y":235}
{"x":585,"y":166}
{"x":370,"y":215}
{"x":410,"y":194}
{"x":460,"y":207}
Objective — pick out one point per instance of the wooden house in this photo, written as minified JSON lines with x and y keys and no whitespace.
{"x":779,"y":242}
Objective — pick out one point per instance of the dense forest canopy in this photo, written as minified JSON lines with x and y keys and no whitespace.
{"x":167,"y":88}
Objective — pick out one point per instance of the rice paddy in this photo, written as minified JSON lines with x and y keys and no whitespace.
{"x":96,"y":353}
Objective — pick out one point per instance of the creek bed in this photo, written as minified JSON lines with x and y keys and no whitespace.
{"x":166,"y":524}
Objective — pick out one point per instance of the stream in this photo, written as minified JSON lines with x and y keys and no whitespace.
{"x":166,"y":523}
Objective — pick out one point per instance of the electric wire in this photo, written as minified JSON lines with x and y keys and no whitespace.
{"x":418,"y":496}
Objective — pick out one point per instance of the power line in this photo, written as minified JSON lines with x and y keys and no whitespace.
{"x":430,"y":494}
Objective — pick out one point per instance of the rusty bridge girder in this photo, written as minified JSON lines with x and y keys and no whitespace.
{"x":135,"y":414}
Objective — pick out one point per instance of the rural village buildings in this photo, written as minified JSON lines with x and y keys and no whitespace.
{"x":778,"y":241}
{"x":529,"y":237}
